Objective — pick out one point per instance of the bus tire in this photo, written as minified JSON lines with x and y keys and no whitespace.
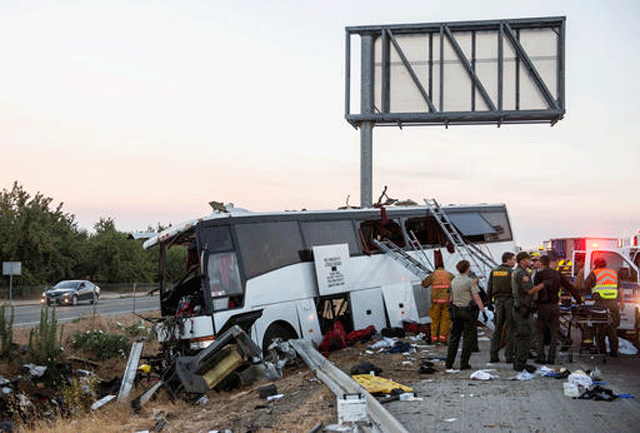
{"x":281,"y":330}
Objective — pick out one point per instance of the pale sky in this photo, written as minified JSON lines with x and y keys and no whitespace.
{"x":144,"y":111}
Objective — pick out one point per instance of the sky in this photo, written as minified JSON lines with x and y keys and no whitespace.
{"x":145,"y":111}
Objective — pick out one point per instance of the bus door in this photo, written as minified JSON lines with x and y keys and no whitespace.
{"x":223,"y":287}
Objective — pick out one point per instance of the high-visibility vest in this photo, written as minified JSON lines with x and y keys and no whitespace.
{"x":440,"y":286}
{"x":606,"y":283}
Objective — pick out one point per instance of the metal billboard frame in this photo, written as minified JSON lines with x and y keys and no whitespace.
{"x":508,"y":32}
{"x":484,"y":106}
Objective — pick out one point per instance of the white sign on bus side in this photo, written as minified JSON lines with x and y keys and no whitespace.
{"x":332,"y":268}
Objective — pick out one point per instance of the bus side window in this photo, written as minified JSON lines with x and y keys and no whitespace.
{"x":371,"y":230}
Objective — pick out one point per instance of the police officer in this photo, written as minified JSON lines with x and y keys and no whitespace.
{"x":500,"y":295}
{"x":523,"y":307}
{"x":605,"y":289}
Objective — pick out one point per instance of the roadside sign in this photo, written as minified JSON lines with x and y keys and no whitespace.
{"x":11,"y":268}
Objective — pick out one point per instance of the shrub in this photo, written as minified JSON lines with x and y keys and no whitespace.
{"x":80,"y":393}
{"x":102,"y":345}
{"x":44,"y":343}
{"x":136,"y":330}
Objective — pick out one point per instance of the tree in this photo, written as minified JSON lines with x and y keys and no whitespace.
{"x":46,"y":240}
{"x":116,"y":259}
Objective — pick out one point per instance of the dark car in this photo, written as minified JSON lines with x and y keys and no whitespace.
{"x":70,"y":292}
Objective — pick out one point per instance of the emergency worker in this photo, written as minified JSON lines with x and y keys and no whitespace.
{"x":440,"y":283}
{"x":523,"y":308}
{"x":500,"y":295}
{"x":536,"y":266}
{"x":465,"y":302}
{"x":605,"y":290}
{"x":548,"y":282}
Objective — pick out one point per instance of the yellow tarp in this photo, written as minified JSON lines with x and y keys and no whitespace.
{"x":375,"y":384}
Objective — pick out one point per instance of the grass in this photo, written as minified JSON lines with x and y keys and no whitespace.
{"x":113,"y":418}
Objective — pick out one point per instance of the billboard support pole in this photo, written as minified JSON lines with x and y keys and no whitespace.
{"x":366,"y":127}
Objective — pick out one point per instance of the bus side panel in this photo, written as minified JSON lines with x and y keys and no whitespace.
{"x":377,"y":270}
{"x":308,"y":318}
{"x":400,"y":303}
{"x":280,"y":312}
{"x":367,"y":308}
{"x":281,"y":285}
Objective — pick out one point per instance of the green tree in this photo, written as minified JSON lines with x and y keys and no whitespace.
{"x":116,"y":259}
{"x":46,"y":240}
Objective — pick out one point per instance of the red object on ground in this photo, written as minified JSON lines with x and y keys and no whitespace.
{"x":335,"y":339}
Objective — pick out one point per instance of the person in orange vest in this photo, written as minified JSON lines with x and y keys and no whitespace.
{"x":440,"y":282}
{"x":605,"y":290}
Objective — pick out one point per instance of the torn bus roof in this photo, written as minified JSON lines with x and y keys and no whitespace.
{"x":230,"y":211}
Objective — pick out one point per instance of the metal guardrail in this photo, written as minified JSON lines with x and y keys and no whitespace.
{"x":340,"y":383}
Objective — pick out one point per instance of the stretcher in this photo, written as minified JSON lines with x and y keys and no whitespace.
{"x":580,"y":325}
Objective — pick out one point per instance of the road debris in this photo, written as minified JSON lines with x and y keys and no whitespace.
{"x":484,"y":375}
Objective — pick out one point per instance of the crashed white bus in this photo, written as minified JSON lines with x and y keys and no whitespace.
{"x":293,"y":274}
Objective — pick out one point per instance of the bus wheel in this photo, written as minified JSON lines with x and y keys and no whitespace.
{"x":277,"y":331}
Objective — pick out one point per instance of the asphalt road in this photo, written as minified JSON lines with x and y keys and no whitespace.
{"x":28,"y":314}
{"x":455,"y":403}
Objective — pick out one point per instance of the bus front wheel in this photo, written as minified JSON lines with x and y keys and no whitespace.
{"x":277,"y":331}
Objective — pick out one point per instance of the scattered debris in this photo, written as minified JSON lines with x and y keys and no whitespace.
{"x":130,"y":371}
{"x":230,"y":351}
{"x":275,"y":397}
{"x":267,"y":391}
{"x":484,"y":375}
{"x":393,"y":332}
{"x":383,"y":344}
{"x":365,"y":368}
{"x":104,"y":400}
{"x":598,"y":393}
{"x":35,"y":370}
{"x":401,"y":347}
{"x":378,"y":385}
{"x":580,"y":378}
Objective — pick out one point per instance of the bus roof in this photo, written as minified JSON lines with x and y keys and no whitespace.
{"x":239,"y":213}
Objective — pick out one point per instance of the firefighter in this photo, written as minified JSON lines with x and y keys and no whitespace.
{"x":605,"y":291}
{"x":440,"y":282}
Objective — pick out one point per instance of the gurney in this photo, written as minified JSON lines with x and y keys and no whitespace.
{"x":579,"y":325}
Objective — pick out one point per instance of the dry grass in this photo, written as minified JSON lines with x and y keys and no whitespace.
{"x":306,"y":400}
{"x":113,"y":418}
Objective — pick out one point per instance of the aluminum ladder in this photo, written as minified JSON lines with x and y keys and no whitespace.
{"x":467,"y":250}
{"x":414,"y":266}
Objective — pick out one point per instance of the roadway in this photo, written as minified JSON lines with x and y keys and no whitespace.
{"x":28,"y":313}
{"x":455,"y":403}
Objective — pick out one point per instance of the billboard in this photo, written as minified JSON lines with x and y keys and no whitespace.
{"x":476,"y":72}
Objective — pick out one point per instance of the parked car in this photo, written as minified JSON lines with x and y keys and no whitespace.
{"x":70,"y":292}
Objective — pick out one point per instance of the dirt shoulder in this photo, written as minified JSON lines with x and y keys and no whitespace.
{"x":449,"y":402}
